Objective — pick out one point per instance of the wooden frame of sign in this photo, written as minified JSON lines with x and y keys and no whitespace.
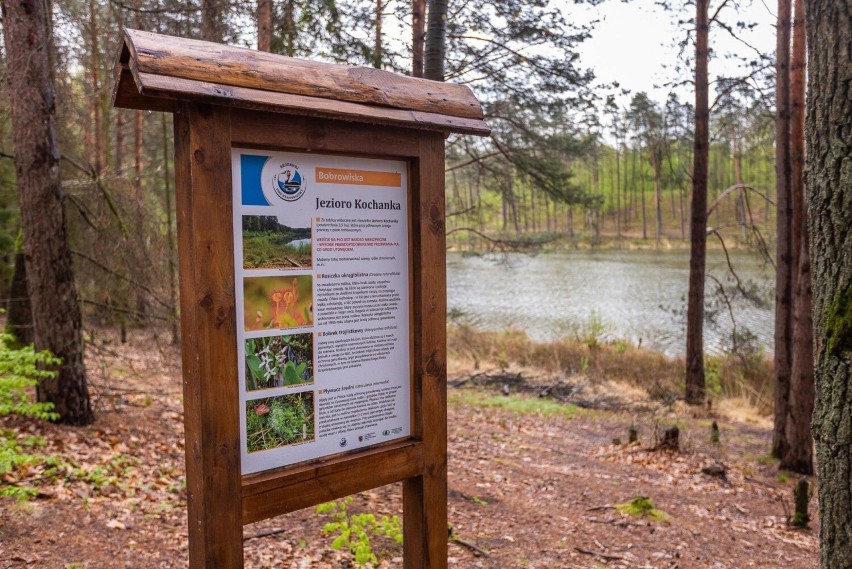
{"x":223,"y":98}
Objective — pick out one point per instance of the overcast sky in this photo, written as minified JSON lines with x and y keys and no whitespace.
{"x":635,"y":43}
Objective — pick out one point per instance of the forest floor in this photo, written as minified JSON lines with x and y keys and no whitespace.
{"x":533,"y":482}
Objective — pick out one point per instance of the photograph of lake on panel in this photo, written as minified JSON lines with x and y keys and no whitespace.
{"x":633,"y":294}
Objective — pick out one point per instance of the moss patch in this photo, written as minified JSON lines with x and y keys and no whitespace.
{"x":838,"y":322}
{"x":643,"y":507}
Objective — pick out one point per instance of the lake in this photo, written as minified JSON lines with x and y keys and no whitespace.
{"x":638,"y":296}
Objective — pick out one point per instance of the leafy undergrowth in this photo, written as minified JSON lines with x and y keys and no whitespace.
{"x":531,"y":485}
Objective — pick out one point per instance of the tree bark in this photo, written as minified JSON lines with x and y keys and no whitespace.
{"x":19,"y":318}
{"x":658,"y":227}
{"x":50,"y":278}
{"x":695,"y":381}
{"x":799,"y":454}
{"x":418,"y":36}
{"x":289,"y":28}
{"x":170,"y":236}
{"x":212,"y":20}
{"x":377,"y":50}
{"x":783,"y":249}
{"x":264,"y":25}
{"x":829,"y":190}
{"x":436,"y":40}
{"x":98,"y":150}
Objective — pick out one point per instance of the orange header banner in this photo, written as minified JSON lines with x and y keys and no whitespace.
{"x":357,"y":177}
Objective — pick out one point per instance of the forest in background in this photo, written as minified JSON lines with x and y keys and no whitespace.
{"x":564,"y":164}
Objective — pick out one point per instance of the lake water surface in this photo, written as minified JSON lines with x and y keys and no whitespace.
{"x":636,"y":295}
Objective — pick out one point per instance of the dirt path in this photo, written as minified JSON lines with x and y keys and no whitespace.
{"x":532,"y":485}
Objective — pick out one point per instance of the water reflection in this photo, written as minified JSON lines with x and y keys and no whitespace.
{"x":637,"y":295}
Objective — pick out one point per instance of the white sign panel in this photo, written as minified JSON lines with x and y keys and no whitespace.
{"x":322,"y":295}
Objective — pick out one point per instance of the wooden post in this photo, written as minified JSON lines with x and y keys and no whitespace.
{"x":203,"y":181}
{"x":425,"y":496}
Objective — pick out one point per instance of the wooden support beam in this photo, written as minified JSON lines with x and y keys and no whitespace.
{"x":425,"y":496}
{"x":271,"y":494}
{"x":208,"y":327}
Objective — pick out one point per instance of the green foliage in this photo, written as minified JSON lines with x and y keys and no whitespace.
{"x":278,"y":361}
{"x":712,"y":376}
{"x":642,"y":506}
{"x":285,"y":420}
{"x":19,"y":373}
{"x":278,"y":421}
{"x":356,"y":532}
{"x":18,"y":453}
{"x":594,"y":331}
{"x":20,"y":370}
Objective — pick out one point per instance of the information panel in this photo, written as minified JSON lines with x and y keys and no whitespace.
{"x":322,"y":296}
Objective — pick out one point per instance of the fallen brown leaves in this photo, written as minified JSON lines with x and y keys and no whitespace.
{"x":526,"y":489}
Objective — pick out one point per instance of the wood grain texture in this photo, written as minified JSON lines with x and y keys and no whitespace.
{"x":253,"y":129}
{"x":241,"y":67}
{"x":274,"y":493}
{"x":425,"y":496}
{"x":159,"y":87}
{"x":208,"y":325}
{"x":126,"y":95}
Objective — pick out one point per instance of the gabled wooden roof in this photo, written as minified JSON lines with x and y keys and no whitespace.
{"x":154,"y":72}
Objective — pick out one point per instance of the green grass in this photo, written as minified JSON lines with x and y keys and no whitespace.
{"x":267,"y":250}
{"x":763,"y":459}
{"x":515,"y":404}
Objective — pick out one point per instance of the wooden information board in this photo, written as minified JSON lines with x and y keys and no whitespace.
{"x":311,"y":238}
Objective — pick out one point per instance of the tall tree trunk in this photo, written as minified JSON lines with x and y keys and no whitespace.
{"x":142,"y":262}
{"x":170,"y":236}
{"x":783,"y":251}
{"x":119,"y":142}
{"x":829,"y":163}
{"x":377,"y":49}
{"x":633,"y":200}
{"x":118,"y":151}
{"x":19,"y":317}
{"x":738,"y":179}
{"x":570,"y":222}
{"x":418,"y":36}
{"x":799,"y":455}
{"x":264,"y":25}
{"x":617,"y":193}
{"x":50,"y":277}
{"x":695,"y":384}
{"x":212,"y":20}
{"x":644,"y":211}
{"x":290,"y":28}
{"x":657,"y":202}
{"x":436,"y":40}
{"x":98,"y":161}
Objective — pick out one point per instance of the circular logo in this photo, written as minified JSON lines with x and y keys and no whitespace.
{"x":288,"y":183}
{"x":343,"y":442}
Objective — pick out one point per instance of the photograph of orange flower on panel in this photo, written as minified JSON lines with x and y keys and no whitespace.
{"x":278,"y":302}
